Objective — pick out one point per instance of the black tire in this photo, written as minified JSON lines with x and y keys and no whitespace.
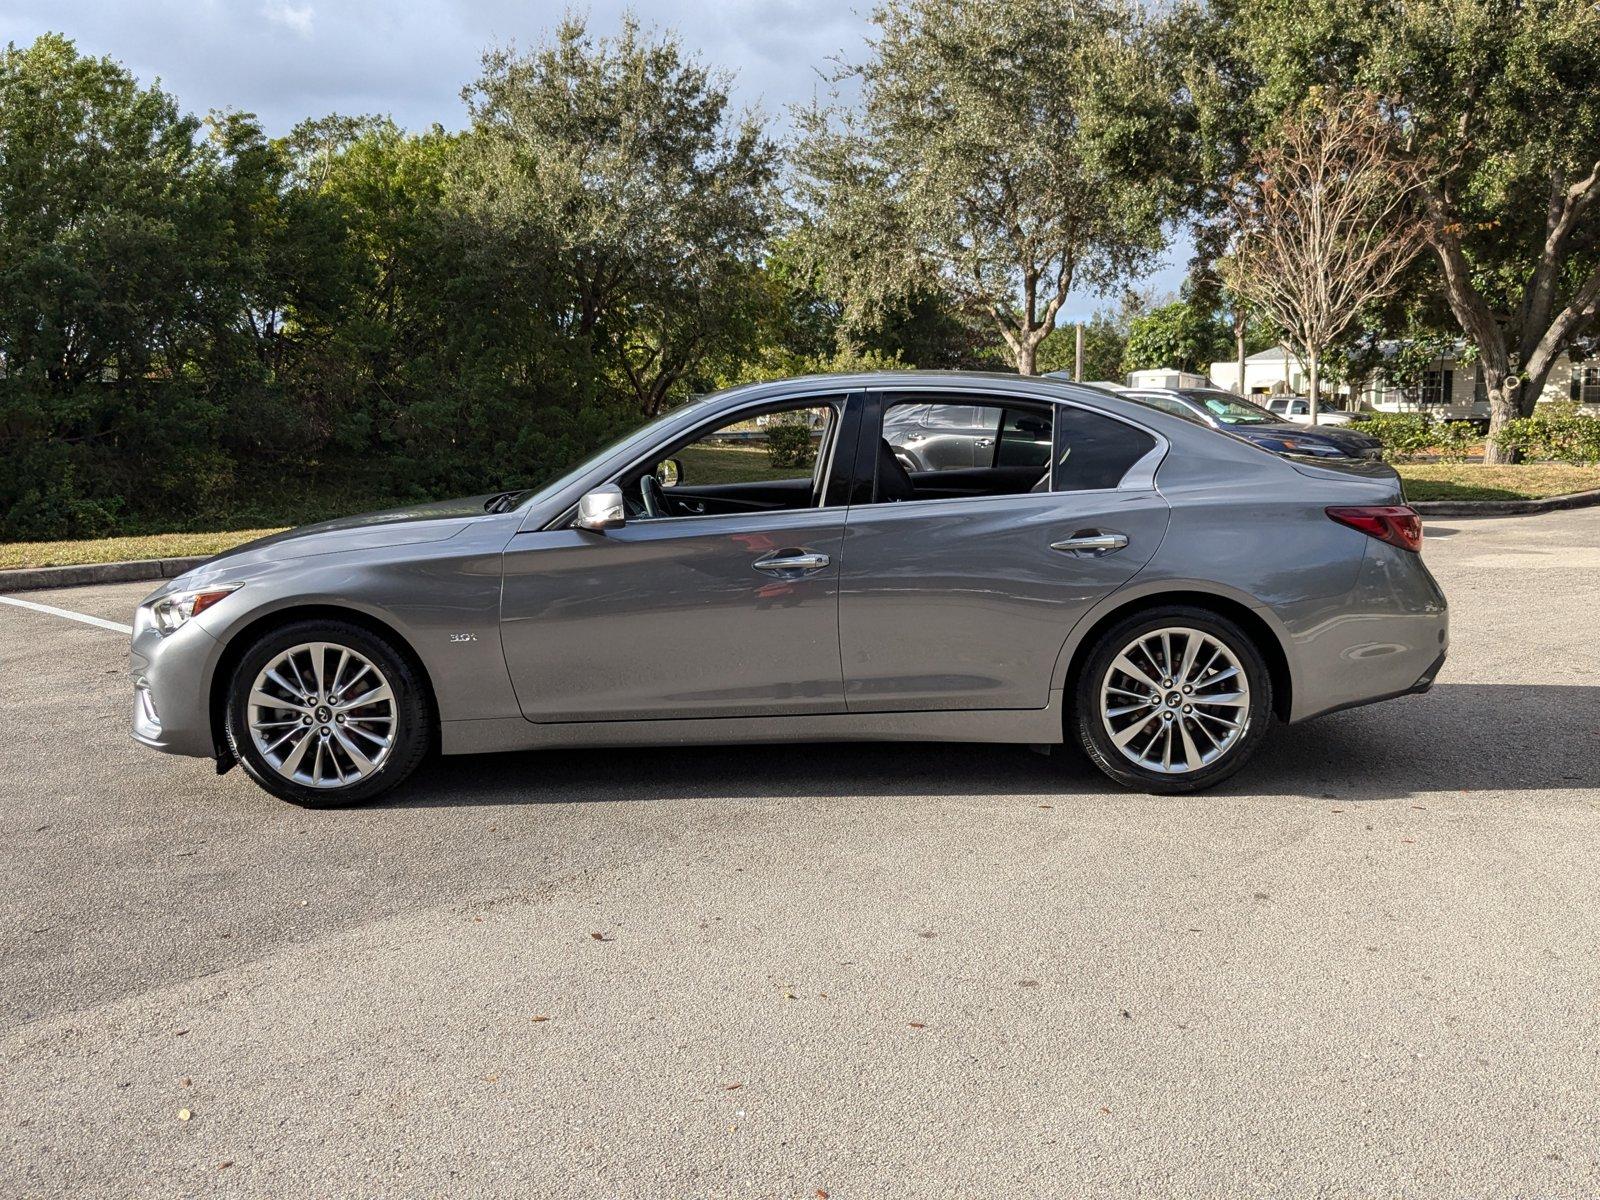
{"x":1089,"y":726}
{"x":411,"y":738}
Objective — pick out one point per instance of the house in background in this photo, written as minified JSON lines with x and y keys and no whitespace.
{"x":1447,"y":388}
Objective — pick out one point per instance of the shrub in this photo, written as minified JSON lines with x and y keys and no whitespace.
{"x":789,"y":445}
{"x":1453,"y":440}
{"x":1555,"y":433}
{"x":1403,"y":435}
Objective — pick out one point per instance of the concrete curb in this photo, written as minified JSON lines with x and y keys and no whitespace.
{"x":1506,"y":508}
{"x":29,"y":579}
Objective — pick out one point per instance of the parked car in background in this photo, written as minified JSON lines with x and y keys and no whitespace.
{"x":1149,"y":589}
{"x":1298,"y":410}
{"x":1225,"y":411}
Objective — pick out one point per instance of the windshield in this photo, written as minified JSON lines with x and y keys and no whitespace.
{"x":1230,"y":409}
{"x":627,"y":441}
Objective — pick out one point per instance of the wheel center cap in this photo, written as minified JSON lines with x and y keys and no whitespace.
{"x":323,"y":713}
{"x":1174,"y":699}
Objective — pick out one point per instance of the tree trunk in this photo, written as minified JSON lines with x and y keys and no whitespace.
{"x":1027,"y":351}
{"x":1238,"y":350}
{"x":1313,"y":381}
{"x":1503,"y":407}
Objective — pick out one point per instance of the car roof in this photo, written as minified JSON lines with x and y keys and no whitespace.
{"x":1036,"y":386}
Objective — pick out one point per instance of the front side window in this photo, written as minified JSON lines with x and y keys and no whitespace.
{"x":773,"y":460}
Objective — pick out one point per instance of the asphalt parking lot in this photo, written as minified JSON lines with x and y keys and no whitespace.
{"x":1367,"y":966}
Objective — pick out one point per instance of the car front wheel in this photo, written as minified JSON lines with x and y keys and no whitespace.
{"x":1173,"y":700}
{"x":325,"y":713}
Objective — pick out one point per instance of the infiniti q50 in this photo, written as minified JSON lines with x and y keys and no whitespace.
{"x":761,"y":566}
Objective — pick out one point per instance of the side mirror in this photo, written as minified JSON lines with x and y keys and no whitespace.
{"x":601,"y":510}
{"x":669,"y":472}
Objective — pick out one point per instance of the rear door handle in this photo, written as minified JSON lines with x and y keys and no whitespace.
{"x":784,"y":562}
{"x":1092,"y":542}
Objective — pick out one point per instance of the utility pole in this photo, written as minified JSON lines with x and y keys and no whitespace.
{"x":1077,"y":356}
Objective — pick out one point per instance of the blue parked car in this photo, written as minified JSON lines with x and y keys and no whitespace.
{"x":1225,"y":411}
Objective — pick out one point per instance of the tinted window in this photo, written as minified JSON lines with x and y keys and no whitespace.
{"x":964,"y":450}
{"x":1094,"y":451}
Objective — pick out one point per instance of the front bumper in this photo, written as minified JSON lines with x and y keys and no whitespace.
{"x":172,"y":687}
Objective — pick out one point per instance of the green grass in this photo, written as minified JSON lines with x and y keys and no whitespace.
{"x":706,"y":465}
{"x":1476,"y":481}
{"x":123,"y":549}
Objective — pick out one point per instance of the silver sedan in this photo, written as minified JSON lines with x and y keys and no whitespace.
{"x":761,"y":566}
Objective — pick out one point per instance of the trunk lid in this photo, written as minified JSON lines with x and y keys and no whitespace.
{"x":1373,"y":482}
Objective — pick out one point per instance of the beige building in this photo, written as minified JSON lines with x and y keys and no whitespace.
{"x":1448,"y":388}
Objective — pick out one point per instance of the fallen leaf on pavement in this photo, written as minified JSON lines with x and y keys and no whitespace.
{"x":537,"y":1019}
{"x":918,"y":1025}
{"x":732,"y":1087}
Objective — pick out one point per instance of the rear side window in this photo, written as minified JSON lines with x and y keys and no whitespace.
{"x":1094,"y":452}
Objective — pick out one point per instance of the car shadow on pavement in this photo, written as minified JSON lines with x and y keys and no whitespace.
{"x":1475,"y":738}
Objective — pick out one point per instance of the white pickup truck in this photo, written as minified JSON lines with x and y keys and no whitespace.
{"x":1298,"y":410}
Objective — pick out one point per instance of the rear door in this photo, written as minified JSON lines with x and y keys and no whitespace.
{"x":962,"y":597}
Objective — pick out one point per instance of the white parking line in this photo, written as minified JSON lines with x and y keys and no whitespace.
{"x":114,"y":626}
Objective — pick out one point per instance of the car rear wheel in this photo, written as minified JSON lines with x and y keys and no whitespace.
{"x":324,"y":713}
{"x":1173,"y":700}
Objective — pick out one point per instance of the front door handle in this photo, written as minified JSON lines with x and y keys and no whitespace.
{"x":1091,"y":542}
{"x":785,"y":562}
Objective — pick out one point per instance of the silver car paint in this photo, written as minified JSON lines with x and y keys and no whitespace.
{"x":718,"y":656}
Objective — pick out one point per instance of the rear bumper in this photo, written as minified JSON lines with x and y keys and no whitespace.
{"x":1423,"y":684}
{"x":1389,"y":637}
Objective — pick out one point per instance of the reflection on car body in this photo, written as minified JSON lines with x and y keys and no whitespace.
{"x":916,"y":556}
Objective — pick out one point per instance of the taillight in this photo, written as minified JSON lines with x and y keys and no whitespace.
{"x":1397,"y":524}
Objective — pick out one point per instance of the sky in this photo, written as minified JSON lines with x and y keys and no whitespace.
{"x":288,"y":59}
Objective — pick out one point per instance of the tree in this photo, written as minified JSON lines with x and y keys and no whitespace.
{"x":1003,"y":152}
{"x":1324,"y":223}
{"x":1105,"y":337}
{"x":621,"y":156}
{"x":1497,"y":100}
{"x":1182,"y":334}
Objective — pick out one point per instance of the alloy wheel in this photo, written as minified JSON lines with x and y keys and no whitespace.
{"x":1175,"y":700}
{"x":322,"y":715}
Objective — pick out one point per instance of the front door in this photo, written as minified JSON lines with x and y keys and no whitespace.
{"x":717,"y":598}
{"x":960,"y":587}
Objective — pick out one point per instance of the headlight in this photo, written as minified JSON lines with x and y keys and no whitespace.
{"x":172,"y":611}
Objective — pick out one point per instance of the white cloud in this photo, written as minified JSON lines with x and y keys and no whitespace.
{"x":294,"y":17}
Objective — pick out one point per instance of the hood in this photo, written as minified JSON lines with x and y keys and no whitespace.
{"x":431,"y":522}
